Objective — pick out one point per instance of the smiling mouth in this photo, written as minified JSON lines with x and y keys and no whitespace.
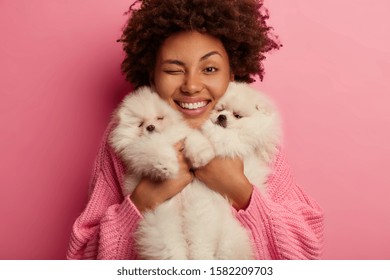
{"x":192,"y":106}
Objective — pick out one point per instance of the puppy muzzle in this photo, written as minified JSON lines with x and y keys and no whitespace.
{"x":150,"y":128}
{"x":222,"y":121}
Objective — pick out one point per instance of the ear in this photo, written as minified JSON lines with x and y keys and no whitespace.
{"x":151,"y":80}
{"x":263,"y":109}
{"x":231,"y":76}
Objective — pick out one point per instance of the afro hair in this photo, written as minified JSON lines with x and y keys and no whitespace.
{"x":239,"y":24}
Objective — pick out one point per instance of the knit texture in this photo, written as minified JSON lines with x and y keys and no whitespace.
{"x":284,"y":223}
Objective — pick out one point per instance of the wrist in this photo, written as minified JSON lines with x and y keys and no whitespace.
{"x":139,"y":204}
{"x":241,"y":197}
{"x":142,"y":197}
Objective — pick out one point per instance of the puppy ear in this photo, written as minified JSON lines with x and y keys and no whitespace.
{"x":263,"y":109}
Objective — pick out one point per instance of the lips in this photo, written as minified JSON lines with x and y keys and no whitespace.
{"x":192,"y":108}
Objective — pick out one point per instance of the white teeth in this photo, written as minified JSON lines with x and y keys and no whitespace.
{"x":193,"y":106}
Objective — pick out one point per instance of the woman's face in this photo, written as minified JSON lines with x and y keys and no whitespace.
{"x":192,"y":73}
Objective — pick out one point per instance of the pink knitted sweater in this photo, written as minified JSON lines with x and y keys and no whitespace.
{"x":285,"y":224}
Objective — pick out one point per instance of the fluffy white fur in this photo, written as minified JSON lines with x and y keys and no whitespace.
{"x":197,"y":223}
{"x":144,"y":137}
{"x":245,"y":124}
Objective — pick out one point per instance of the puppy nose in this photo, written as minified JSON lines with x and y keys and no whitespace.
{"x":221,"y":118}
{"x":222,"y":121}
{"x":150,"y":128}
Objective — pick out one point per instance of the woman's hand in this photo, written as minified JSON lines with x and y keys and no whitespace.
{"x":226,"y":176}
{"x":149,"y":194}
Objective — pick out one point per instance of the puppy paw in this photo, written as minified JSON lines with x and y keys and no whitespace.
{"x":198,"y":150}
{"x":165,"y":169}
{"x":165,"y":165}
{"x":202,"y":157}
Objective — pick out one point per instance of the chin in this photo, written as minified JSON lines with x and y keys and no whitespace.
{"x":195,"y":123}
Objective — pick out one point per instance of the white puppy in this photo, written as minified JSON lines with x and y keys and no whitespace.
{"x":245,"y":124}
{"x":147,"y":128}
{"x":197,"y":223}
{"x":146,"y":131}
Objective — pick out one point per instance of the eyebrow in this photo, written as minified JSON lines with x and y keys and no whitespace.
{"x":181,"y":63}
{"x":207,"y":55}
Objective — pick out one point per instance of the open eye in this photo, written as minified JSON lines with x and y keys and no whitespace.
{"x":141,"y":124}
{"x":210,"y":70}
{"x":160,"y":118}
{"x":237,"y":116}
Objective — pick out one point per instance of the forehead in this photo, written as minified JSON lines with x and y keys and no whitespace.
{"x":191,"y":46}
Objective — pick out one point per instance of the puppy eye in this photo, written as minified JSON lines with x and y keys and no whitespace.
{"x":160,"y":118}
{"x":220,"y":109}
{"x":141,"y":124}
{"x":237,"y":116}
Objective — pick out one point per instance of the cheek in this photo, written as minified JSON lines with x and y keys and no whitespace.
{"x":164,"y":85}
{"x":163,"y":90}
{"x":218,"y":89}
{"x":219,"y":85}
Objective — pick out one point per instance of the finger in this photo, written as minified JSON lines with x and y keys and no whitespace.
{"x":179,"y":146}
{"x":182,"y":159}
{"x":180,"y":156}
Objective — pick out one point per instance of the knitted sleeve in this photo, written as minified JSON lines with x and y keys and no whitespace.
{"x":285,"y":223}
{"x":104,"y":229}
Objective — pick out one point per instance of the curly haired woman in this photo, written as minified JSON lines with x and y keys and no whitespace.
{"x":188,"y":51}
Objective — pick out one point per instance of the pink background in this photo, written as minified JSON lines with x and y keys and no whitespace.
{"x":60,"y":81}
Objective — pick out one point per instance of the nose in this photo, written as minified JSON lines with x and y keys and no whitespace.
{"x":192,"y":83}
{"x":221,"y":118}
{"x":150,"y":128}
{"x":222,"y":121}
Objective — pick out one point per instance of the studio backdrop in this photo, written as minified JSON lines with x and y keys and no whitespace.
{"x":60,"y":81}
